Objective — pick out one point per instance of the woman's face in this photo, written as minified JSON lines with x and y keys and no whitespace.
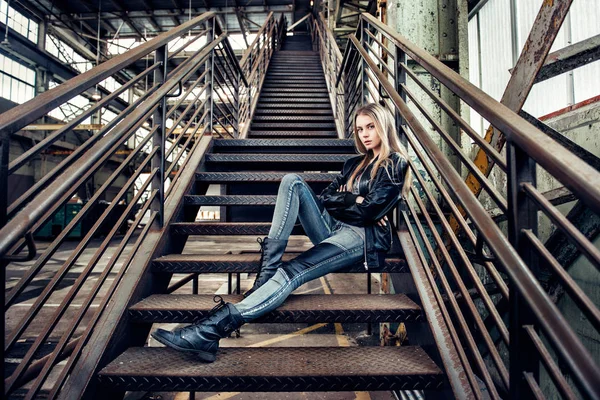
{"x":365,"y":128}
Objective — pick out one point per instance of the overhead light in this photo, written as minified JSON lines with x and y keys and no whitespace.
{"x":96,"y":95}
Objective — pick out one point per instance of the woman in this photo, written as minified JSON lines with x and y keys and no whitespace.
{"x":347,"y":223}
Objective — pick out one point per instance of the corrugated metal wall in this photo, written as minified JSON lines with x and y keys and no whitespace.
{"x":491,"y":53}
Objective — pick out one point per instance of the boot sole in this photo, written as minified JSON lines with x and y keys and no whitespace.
{"x":202,"y":355}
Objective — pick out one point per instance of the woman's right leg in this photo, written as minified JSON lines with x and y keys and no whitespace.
{"x":295,"y":199}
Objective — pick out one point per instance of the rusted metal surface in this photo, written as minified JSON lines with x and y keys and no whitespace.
{"x":183,"y":263}
{"x":288,"y":369}
{"x":343,"y":308}
{"x":570,"y":58}
{"x":259,"y":176}
{"x":456,"y":366}
{"x":535,"y":50}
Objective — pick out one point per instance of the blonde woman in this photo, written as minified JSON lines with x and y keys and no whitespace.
{"x":347,"y":223}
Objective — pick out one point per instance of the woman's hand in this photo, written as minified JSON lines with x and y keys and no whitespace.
{"x":382,"y":221}
{"x":360,"y":199}
{"x":342,"y":188}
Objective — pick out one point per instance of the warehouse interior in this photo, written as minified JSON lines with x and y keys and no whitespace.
{"x":142,"y":144}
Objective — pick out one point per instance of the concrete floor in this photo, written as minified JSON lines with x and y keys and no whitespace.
{"x":267,"y":335}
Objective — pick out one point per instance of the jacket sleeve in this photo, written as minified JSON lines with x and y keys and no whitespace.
{"x":382,"y":197}
{"x":332,"y":198}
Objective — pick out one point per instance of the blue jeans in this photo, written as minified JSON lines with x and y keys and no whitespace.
{"x":337,"y":245}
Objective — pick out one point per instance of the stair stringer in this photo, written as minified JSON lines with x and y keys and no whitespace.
{"x":114,"y":333}
{"x":450,"y":353}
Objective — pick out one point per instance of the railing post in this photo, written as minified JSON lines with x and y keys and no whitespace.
{"x":209,"y":78}
{"x":158,"y":139}
{"x":522,"y":215}
{"x":364,"y":78}
{"x":400,"y":78}
{"x":4,"y":154}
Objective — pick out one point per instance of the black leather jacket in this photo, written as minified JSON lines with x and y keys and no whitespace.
{"x":380,"y":197}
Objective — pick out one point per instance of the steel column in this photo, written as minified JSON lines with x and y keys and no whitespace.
{"x":522,"y":215}
{"x":159,"y":138}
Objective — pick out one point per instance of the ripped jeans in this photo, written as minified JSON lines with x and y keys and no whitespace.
{"x":337,"y":245}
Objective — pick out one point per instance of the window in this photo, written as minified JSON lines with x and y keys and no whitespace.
{"x":17,"y":82}
{"x":18,"y":22}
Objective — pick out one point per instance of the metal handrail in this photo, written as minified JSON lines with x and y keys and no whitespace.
{"x":363,"y":80}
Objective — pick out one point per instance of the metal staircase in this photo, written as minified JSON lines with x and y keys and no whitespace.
{"x":287,"y":107}
{"x":252,"y":169}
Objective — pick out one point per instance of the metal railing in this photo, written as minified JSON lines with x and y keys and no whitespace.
{"x":255,"y":63}
{"x":498,"y":310}
{"x":207,"y":93}
{"x":331,"y":59}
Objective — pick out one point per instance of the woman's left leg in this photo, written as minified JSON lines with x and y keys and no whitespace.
{"x":343,"y":248}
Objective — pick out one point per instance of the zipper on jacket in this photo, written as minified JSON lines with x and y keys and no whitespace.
{"x":365,"y":247}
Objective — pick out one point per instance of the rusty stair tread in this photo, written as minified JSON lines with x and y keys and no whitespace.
{"x":226,"y":200}
{"x":301,"y":111}
{"x":292,"y":125}
{"x":278,"y":134}
{"x":248,"y":262}
{"x":283,"y":142}
{"x":275,"y":157}
{"x":294,"y":118}
{"x":259,"y":176}
{"x":286,"y":369}
{"x":303,"y":308}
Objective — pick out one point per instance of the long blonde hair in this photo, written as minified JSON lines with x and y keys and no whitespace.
{"x":385,"y":126}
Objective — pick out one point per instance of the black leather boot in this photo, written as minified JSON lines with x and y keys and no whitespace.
{"x":202,"y":338}
{"x":270,"y":259}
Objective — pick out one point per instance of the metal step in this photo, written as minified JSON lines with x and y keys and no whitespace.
{"x":307,"y":308}
{"x":287,"y":146}
{"x":278,"y":111}
{"x":226,"y":228}
{"x":265,"y":105}
{"x":288,"y":369}
{"x":299,"y":91}
{"x":294,"y":95}
{"x":245,"y":177}
{"x":230,"y":200}
{"x":298,"y":134}
{"x":292,"y":126}
{"x":248,"y":262}
{"x":293,"y":118}
{"x":279,"y":158}
{"x":294,"y":103}
{"x":251,"y":143}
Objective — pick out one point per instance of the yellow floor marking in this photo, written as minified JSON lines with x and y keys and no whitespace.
{"x":288,"y":336}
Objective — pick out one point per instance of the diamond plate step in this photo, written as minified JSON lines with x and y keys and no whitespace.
{"x":264,"y":105}
{"x":279,"y":158}
{"x":308,"y":308}
{"x":226,"y":177}
{"x":302,"y":90}
{"x":291,"y":118}
{"x":291,"y":103}
{"x":248,"y":262}
{"x":230,"y":200}
{"x":278,"y":134}
{"x":278,"y":111}
{"x":226,"y":228}
{"x":289,"y":369}
{"x":259,"y":126}
{"x":250,"y":143}
{"x":294,"y":95}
